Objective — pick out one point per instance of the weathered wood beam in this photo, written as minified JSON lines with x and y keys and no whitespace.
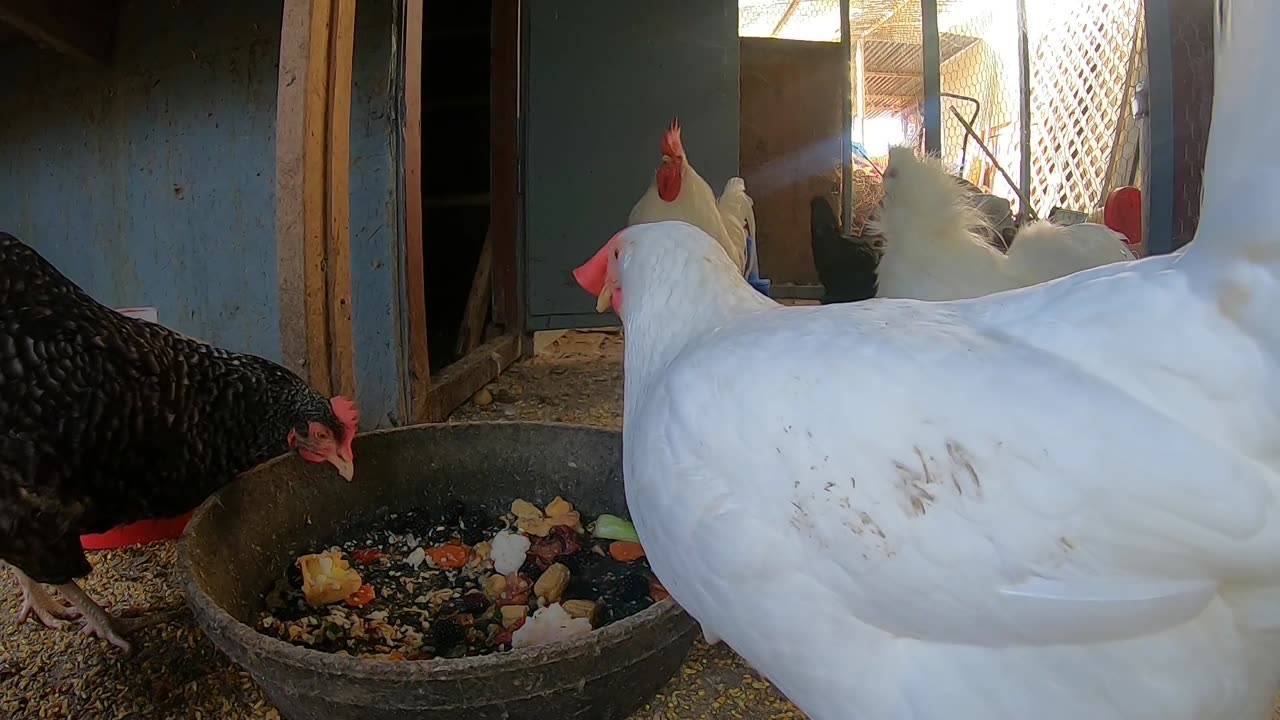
{"x":313,"y":110}
{"x":504,"y":151}
{"x":463,"y":378}
{"x":414,"y":272}
{"x":338,"y":199}
{"x":82,"y":29}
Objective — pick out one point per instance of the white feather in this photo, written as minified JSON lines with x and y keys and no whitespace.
{"x":935,"y":248}
{"x":1023,"y":505}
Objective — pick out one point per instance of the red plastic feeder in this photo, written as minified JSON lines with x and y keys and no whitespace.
{"x":1123,"y":213}
{"x":137,"y":533}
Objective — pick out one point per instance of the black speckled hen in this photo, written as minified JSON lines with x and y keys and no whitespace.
{"x":106,"y":420}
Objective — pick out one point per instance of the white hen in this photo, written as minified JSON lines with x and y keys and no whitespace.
{"x":934,"y":250}
{"x":1024,"y":505}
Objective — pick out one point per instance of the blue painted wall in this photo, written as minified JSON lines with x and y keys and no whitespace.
{"x":151,"y":182}
{"x":376,"y":233}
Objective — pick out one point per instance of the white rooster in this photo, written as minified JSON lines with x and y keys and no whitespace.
{"x":934,"y":250}
{"x":907,"y":510}
{"x":678,"y":192}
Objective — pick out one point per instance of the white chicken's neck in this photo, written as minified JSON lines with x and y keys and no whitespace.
{"x":669,"y":312}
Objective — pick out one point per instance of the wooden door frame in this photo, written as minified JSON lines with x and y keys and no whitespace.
{"x":313,"y":197}
{"x":433,"y":399}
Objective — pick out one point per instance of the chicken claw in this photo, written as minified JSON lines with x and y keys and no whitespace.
{"x":37,"y":602}
{"x":99,"y":623}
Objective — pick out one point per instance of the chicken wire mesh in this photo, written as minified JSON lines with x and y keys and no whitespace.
{"x":980,"y":97}
{"x":1087,"y":64}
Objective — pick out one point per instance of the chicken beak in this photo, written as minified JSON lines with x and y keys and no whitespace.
{"x":604,"y":299}
{"x":346,"y":468}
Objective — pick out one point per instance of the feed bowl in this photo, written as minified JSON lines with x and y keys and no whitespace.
{"x":243,"y":537}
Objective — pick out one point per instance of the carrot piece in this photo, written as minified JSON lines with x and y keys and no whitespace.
{"x":656,"y":591}
{"x":625,"y":551}
{"x":364,"y":557}
{"x":449,"y":557}
{"x":360,"y":597}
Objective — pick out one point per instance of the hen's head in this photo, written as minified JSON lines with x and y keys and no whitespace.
{"x":671,"y":171}
{"x":656,"y":260}
{"x":323,"y":432}
{"x":922,"y":182}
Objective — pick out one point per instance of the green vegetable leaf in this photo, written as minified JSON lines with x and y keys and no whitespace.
{"x":612,"y":527}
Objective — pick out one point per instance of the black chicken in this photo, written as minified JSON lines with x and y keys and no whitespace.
{"x":847,"y":266}
{"x":106,"y":420}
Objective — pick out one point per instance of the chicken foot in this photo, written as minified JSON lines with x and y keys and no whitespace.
{"x":101,"y":624}
{"x":38,"y":603}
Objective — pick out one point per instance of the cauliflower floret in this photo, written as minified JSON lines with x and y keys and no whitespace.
{"x":547,"y":625}
{"x":508,"y":552}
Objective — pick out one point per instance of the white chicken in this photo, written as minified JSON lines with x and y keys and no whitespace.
{"x":1021,"y":505}
{"x":934,"y":250}
{"x":678,"y":192}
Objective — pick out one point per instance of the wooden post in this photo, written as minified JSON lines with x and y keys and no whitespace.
{"x":860,"y":90}
{"x":414,"y":273}
{"x":846,"y":123}
{"x":338,"y":200}
{"x":313,"y":111}
{"x":932,"y":77}
{"x":1024,"y":114}
{"x":504,"y":189}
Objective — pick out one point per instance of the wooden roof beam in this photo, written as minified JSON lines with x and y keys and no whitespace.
{"x":84,"y":30}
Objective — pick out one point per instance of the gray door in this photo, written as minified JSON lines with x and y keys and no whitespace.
{"x":603,"y":81}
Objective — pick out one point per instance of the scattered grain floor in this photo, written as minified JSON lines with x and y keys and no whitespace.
{"x":179,"y":674}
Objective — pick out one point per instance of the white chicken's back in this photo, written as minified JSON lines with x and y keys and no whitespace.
{"x":1061,"y":501}
{"x":897,"y":518}
{"x":935,"y":247}
{"x":1042,"y":251}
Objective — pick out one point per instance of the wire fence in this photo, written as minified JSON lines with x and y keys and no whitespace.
{"x":1087,"y":62}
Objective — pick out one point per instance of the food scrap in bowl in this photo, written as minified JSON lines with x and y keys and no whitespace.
{"x":458,"y":582}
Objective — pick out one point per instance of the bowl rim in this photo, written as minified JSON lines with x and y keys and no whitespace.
{"x":221,"y":626}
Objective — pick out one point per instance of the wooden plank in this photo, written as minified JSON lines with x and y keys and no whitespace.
{"x":314,"y":180}
{"x":414,"y":282}
{"x":301,"y":105}
{"x":790,"y":118}
{"x":846,"y":122}
{"x":337,"y":269}
{"x":504,"y":189}
{"x":462,"y":379}
{"x":479,"y":300}
{"x":82,"y":29}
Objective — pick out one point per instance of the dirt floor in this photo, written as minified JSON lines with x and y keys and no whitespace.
{"x":178,"y":673}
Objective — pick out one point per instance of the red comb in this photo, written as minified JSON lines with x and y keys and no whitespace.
{"x":349,"y":416}
{"x":671,"y":145}
{"x":346,"y":411}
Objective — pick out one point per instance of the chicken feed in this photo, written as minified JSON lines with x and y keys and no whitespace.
{"x":419,"y":585}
